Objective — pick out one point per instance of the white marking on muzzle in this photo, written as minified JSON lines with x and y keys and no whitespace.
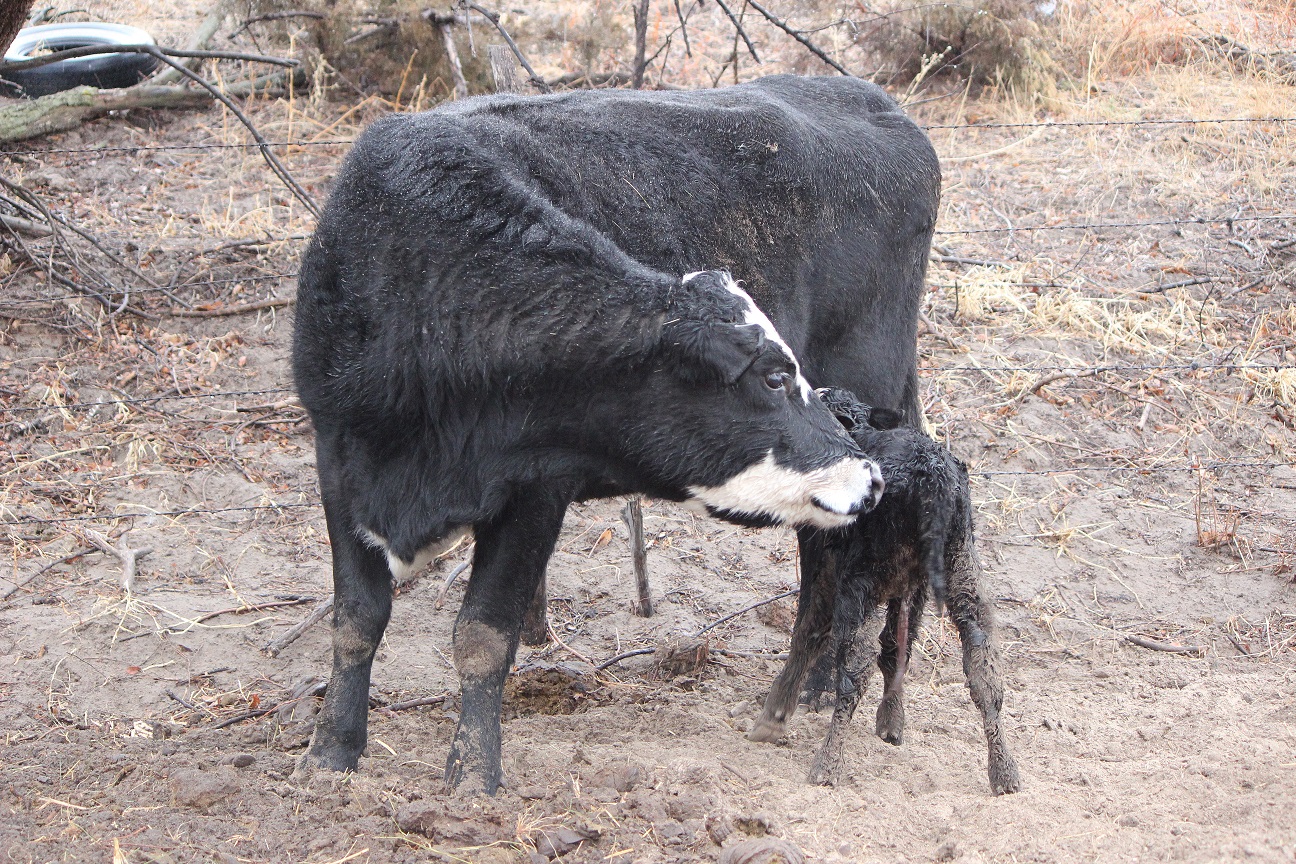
{"x":754,"y":317}
{"x":828,"y":497}
{"x":402,"y":571}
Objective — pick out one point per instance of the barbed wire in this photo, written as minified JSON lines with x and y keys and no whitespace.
{"x":1041,"y":472}
{"x":168,"y":513}
{"x":149,"y":289}
{"x":335,"y":142}
{"x":1088,"y":370}
{"x":1095,"y":226}
{"x":1062,"y":124}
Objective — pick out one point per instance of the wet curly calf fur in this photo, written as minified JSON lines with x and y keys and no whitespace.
{"x":919,"y":541}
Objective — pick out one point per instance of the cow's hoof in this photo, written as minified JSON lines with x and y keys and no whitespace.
{"x":823,"y":775}
{"x":468,"y":781}
{"x":890,"y":723}
{"x":314,"y":762}
{"x":1004,"y":778}
{"x":767,"y":730}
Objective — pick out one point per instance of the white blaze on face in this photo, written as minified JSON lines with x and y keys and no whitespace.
{"x":754,"y":317}
{"x":402,"y":571}
{"x":828,"y":497}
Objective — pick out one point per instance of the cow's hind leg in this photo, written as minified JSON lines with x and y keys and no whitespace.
{"x":361,"y":608}
{"x":974,"y":619}
{"x":820,"y":577}
{"x":509,"y":561}
{"x":857,"y":648}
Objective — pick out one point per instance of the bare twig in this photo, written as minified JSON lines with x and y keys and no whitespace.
{"x":129,"y":557}
{"x":18,"y":586}
{"x":624,"y":655}
{"x":632,"y":514}
{"x":26,"y":226}
{"x":237,"y":309}
{"x":1161,"y":289}
{"x":1045,"y":380}
{"x":733,"y":19}
{"x":160,"y":53}
{"x":450,"y":580}
{"x":417,"y":703}
{"x":264,"y":146}
{"x":278,"y":16}
{"x":274,"y":646}
{"x":971,"y":262}
{"x":755,"y":605}
{"x":452,"y":55}
{"x":186,"y":703}
{"x":1153,"y":645}
{"x":797,"y":35}
{"x":494,"y":18}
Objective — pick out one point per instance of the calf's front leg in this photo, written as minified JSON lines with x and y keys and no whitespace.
{"x":820,"y":578}
{"x":508,"y":564}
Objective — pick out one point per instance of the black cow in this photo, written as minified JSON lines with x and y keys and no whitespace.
{"x":491,"y":324}
{"x":919,"y":537}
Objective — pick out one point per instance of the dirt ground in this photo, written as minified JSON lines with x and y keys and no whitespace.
{"x":154,"y":726}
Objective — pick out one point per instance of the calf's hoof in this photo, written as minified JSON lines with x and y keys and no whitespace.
{"x":1004,"y":777}
{"x":826,"y":768}
{"x":890,"y":724}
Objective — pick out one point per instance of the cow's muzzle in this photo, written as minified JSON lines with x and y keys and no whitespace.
{"x":854,"y":487}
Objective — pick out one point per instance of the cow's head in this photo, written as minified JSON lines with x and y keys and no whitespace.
{"x":737,"y":429}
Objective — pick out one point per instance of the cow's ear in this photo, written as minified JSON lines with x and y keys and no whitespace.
{"x":884,"y":418}
{"x":713,"y":352}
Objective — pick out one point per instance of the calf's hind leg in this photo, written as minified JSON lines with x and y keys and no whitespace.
{"x":857,"y":650}
{"x":509,"y":562}
{"x":975,"y":621}
{"x":904,"y":615}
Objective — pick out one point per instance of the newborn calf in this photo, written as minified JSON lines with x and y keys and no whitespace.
{"x":918,"y":539}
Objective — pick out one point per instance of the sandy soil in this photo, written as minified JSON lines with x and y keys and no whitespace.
{"x":153,"y":726}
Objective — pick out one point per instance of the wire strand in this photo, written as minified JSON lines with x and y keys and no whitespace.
{"x":1043,"y":472}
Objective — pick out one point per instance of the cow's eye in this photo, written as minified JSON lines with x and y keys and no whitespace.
{"x":779,"y":381}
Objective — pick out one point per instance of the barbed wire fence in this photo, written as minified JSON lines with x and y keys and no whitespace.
{"x":17,"y":411}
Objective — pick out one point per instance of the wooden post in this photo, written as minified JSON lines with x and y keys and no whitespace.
{"x":632,"y":513}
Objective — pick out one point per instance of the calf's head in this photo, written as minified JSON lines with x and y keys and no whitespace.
{"x":734,"y":426}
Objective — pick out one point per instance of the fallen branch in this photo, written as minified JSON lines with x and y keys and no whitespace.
{"x":26,"y":226}
{"x":624,"y":655}
{"x":237,"y":309}
{"x":154,"y":50}
{"x":796,"y":34}
{"x":59,"y":112}
{"x":971,"y":262}
{"x":274,"y":646}
{"x":129,"y":557}
{"x":1153,"y":645}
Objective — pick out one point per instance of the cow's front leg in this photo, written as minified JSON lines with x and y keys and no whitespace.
{"x":510,"y":560}
{"x":361,"y":607}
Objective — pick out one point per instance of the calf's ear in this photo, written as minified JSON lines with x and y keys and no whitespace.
{"x":884,"y":418}
{"x":713,"y":352}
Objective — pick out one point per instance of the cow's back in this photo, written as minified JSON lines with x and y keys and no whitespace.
{"x":817,"y":192}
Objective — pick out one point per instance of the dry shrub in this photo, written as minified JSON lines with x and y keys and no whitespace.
{"x":995,"y":43}
{"x":379,"y":46}
{"x":1094,"y":39}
